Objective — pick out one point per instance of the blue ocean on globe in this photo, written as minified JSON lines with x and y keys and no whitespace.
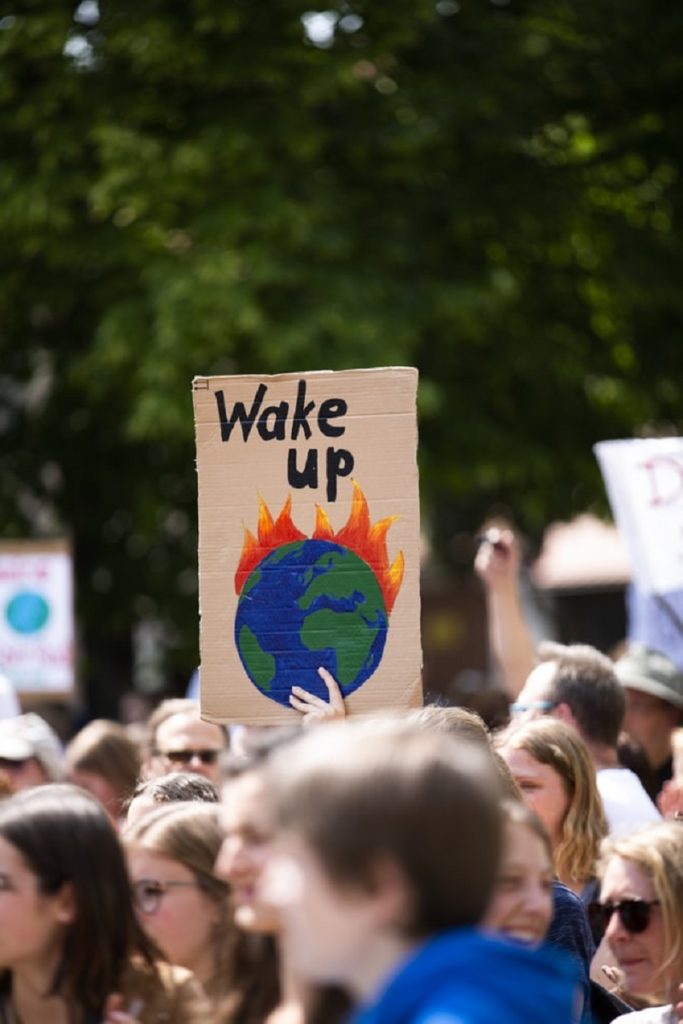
{"x":308,"y":604}
{"x":27,"y":612}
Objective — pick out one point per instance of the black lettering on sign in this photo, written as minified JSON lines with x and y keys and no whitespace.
{"x":301,"y":413}
{"x":308,"y":476}
{"x":239,"y":414}
{"x":279,"y":425}
{"x":331,"y":409}
{"x":271,"y":422}
{"x":339,"y":463}
{"x":271,"y":425}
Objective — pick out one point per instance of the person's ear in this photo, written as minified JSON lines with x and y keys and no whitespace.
{"x":65,"y":904}
{"x":565,"y":714}
{"x":391,"y":894}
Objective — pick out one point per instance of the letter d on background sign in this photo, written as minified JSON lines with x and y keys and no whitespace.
{"x":644,"y":482}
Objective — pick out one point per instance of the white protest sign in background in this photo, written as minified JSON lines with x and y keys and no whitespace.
{"x":644,"y":481}
{"x":36,"y":616}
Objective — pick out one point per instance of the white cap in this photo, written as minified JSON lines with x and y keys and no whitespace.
{"x":30,"y":736}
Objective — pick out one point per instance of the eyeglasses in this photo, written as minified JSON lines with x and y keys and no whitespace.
{"x":149,"y":892}
{"x":532,"y":705}
{"x":186,"y":756}
{"x":634,"y":915}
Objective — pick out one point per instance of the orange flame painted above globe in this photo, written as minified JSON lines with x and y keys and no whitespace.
{"x":365,"y":539}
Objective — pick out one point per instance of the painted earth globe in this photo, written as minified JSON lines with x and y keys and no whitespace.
{"x":27,"y":612}
{"x":308,"y":604}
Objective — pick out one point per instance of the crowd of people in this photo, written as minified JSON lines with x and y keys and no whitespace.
{"x":410,"y":867}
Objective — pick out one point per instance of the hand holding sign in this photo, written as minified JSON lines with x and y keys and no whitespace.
{"x":316,"y":710}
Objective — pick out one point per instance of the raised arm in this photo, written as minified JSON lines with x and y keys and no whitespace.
{"x":497,"y":565}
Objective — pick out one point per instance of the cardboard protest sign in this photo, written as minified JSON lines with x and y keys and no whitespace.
{"x":308,"y":540}
{"x":36,"y":616}
{"x":644,"y":481}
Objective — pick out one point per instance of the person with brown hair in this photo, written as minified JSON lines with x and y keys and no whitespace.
{"x":529,"y":905}
{"x":654,"y":705}
{"x":103,"y":760}
{"x":178,"y":740}
{"x":386,"y":853}
{"x":462,"y":723}
{"x":180,"y":903}
{"x":452,"y":719}
{"x":551,"y":766}
{"x":177,"y":787}
{"x":522,"y":902}
{"x":573,"y":682}
{"x":266,"y":991}
{"x":70,"y":947}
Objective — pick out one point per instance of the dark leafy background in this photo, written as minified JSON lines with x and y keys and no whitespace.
{"x":488,"y":191}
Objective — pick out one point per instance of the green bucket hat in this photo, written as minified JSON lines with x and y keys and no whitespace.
{"x":646,"y":670}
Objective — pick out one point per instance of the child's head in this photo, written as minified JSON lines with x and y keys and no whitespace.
{"x":385,"y":830}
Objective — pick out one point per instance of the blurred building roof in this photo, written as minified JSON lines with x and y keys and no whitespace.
{"x":585,"y":552}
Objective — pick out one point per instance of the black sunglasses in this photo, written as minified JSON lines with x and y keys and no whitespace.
{"x":186,"y":756}
{"x":634,"y":915}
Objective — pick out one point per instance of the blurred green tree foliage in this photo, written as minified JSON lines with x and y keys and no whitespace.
{"x":487,"y":190}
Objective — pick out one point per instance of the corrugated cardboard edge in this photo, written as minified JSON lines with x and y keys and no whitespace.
{"x":201,"y":382}
{"x":411,"y":697}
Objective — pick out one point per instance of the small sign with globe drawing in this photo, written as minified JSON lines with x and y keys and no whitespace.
{"x":36,"y":616}
{"x":316,"y":585}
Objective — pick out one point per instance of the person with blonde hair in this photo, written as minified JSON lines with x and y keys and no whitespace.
{"x":181,"y":905}
{"x":640,"y":912}
{"x":550,"y":764}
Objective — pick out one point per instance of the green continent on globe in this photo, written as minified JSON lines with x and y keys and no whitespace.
{"x":259,"y":664}
{"x":350,"y":628}
{"x":310,"y":604}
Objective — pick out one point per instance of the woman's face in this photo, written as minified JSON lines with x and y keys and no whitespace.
{"x":32,"y":925}
{"x":639,"y":956}
{"x":174,"y":910}
{"x":246,"y":826}
{"x":542,"y":788}
{"x":522,"y":903}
